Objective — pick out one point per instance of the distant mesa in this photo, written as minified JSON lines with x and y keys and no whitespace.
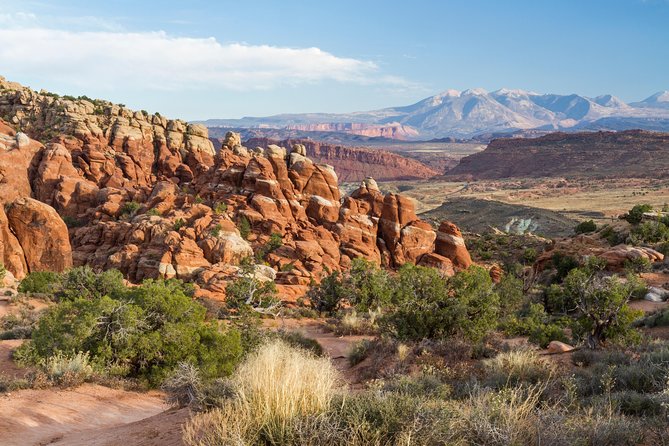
{"x":626,"y":154}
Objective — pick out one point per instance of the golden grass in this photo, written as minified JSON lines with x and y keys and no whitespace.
{"x":519,"y":366}
{"x":272,"y":386}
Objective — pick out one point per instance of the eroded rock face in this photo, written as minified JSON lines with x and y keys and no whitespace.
{"x":451,"y":244}
{"x":583,"y":246}
{"x":149,"y":196}
{"x":42,"y":235}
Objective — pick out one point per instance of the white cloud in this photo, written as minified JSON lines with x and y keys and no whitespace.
{"x":159,"y":61}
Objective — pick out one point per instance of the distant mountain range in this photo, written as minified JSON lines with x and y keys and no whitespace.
{"x":470,"y":113}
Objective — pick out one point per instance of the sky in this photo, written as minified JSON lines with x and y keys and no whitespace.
{"x":197,"y":59}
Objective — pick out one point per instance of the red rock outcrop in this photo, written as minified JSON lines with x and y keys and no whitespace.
{"x":627,"y":154}
{"x":42,"y":235}
{"x":392,"y":130}
{"x":354,"y":164}
{"x":451,"y":244}
{"x":583,"y":246}
{"x":151,"y":198}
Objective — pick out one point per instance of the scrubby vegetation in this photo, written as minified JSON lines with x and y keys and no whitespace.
{"x":142,"y":332}
{"x":517,"y":398}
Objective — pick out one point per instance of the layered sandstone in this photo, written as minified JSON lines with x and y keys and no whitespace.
{"x":627,"y":154}
{"x":354,"y":164}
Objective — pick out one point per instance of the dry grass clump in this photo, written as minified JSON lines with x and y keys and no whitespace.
{"x":354,"y":323}
{"x":517,"y":366}
{"x":272,"y":387}
{"x":500,"y":418}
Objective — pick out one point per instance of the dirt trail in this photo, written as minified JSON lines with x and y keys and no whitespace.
{"x":49,"y":416}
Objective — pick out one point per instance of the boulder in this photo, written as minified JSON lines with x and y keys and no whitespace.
{"x":42,"y":235}
{"x":559,"y":347}
{"x":656,"y":294}
{"x":451,"y":244}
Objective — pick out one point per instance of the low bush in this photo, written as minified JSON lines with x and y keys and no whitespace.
{"x":130,"y":208}
{"x":359,"y":351}
{"x":298,"y":340}
{"x":40,"y":282}
{"x":640,"y":404}
{"x":429,"y":306}
{"x":183,"y":387}
{"x":585,"y":227}
{"x":635,"y":215}
{"x":144,"y":332}
{"x":68,"y":370}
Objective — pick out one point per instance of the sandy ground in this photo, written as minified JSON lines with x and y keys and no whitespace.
{"x":41,"y":417}
{"x":8,"y":368}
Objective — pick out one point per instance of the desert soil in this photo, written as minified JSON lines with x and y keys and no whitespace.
{"x":90,"y":414}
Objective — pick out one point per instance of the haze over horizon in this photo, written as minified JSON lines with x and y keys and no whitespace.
{"x":212,"y":60}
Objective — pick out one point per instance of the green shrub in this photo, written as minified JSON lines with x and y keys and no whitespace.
{"x":563,"y":264}
{"x":84,"y":283}
{"x":248,"y":293}
{"x":638,"y":265}
{"x":144,"y":332}
{"x":602,"y":304}
{"x":130,"y":208}
{"x":429,"y":306}
{"x":640,"y":404}
{"x":244,"y":227}
{"x":510,"y":291}
{"x":650,"y":232}
{"x":658,"y":319}
{"x":544,"y":334}
{"x":153,"y":212}
{"x":298,"y":340}
{"x":216,"y":230}
{"x":327,"y":295}
{"x":368,"y":286}
{"x":359,"y":351}
{"x":40,"y":282}
{"x":635,"y":215}
{"x":180,"y":223}
{"x":275,"y":242}
{"x":530,"y":255}
{"x":585,"y":227}
{"x":534,"y":322}
{"x":612,"y":236}
{"x":220,"y":208}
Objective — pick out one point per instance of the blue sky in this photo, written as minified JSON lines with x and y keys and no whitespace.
{"x":227,"y":59}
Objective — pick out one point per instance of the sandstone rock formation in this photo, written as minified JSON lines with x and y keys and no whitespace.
{"x":583,"y":246}
{"x":150,"y":197}
{"x":627,"y":154}
{"x":41,"y":234}
{"x":354,"y":164}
